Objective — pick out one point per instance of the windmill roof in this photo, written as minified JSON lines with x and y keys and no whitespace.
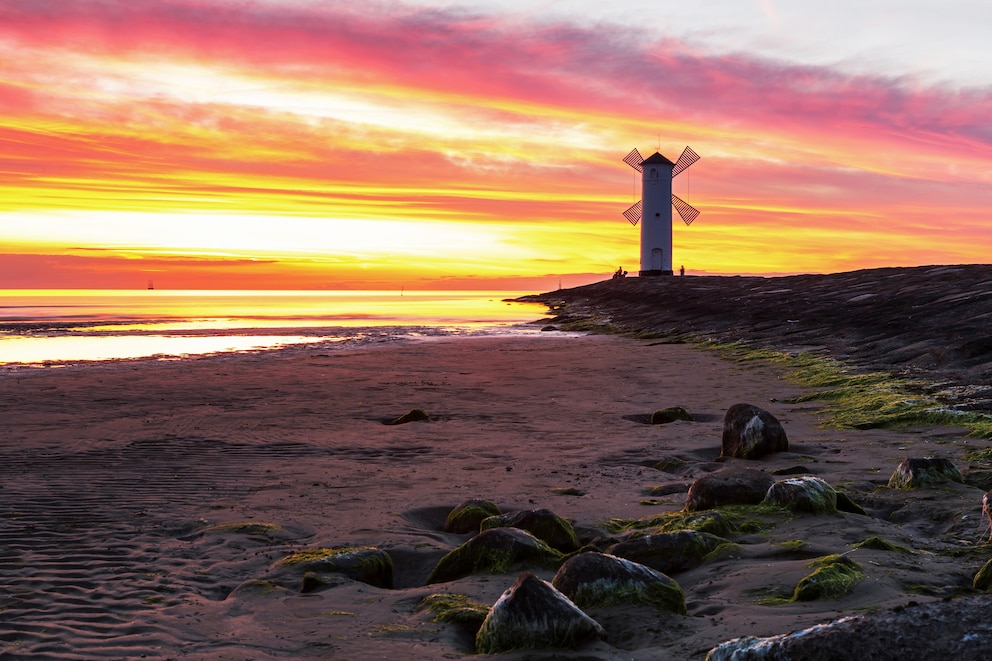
{"x":656,"y":159}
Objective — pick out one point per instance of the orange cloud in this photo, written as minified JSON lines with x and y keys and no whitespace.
{"x":504,"y":134}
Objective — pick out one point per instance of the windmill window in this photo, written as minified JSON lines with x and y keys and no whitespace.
{"x":657,"y":215}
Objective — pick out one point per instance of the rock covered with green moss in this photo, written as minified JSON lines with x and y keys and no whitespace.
{"x":750,"y":432}
{"x":803,"y":494}
{"x":313,"y":569}
{"x":466,"y":516}
{"x":834,"y":576}
{"x":983,"y":579}
{"x":597,"y":580}
{"x":671,"y":552}
{"x":544,"y":524}
{"x":915,"y":473}
{"x":532,"y":614}
{"x":494,"y":551}
{"x":729,"y":486}
{"x":670,"y":414}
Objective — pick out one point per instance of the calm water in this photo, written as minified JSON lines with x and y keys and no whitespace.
{"x":55,"y":326}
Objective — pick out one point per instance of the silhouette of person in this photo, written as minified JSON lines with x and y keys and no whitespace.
{"x":681,"y":271}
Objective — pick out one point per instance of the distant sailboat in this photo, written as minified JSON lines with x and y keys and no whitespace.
{"x":150,"y":285}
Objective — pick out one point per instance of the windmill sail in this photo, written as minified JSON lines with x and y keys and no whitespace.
{"x":686,"y":210}
{"x":633,"y":214}
{"x":687,"y":158}
{"x":634,"y":158}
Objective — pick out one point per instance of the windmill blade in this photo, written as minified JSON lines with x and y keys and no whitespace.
{"x":687,"y":158}
{"x":634,"y":158}
{"x":633,"y":214}
{"x":686,"y":210}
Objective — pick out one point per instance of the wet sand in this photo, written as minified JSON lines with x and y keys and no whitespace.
{"x":117,"y":480}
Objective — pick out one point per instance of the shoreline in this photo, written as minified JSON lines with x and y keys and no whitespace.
{"x":146,"y":471}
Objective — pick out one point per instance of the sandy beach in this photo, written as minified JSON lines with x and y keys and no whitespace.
{"x":126,"y":487}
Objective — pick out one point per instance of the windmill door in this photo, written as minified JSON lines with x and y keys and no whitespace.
{"x":656,"y":259}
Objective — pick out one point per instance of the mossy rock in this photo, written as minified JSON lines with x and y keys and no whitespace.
{"x":983,"y":579}
{"x":670,"y":552}
{"x":915,"y":473}
{"x":467,"y":516}
{"x":456,"y":609}
{"x":259,"y":588}
{"x":846,"y":504}
{"x":835,"y":575}
{"x":876,"y":543}
{"x":803,"y":494}
{"x":598,"y":580}
{"x":712,"y":521}
{"x":728,"y":486}
{"x":670,"y":414}
{"x":309,"y":567}
{"x":547,"y":526}
{"x":532,"y":614}
{"x":494,"y":551}
{"x":413,"y":415}
{"x":249,"y":528}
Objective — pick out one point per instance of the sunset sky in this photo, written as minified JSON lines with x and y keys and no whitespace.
{"x":282,"y":144}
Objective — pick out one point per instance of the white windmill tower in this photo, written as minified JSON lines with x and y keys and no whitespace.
{"x":655,"y":207}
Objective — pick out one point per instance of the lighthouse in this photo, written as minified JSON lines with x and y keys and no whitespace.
{"x":656,"y":215}
{"x":655,"y":208}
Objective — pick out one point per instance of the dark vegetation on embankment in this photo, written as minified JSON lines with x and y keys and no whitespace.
{"x":933,"y":322}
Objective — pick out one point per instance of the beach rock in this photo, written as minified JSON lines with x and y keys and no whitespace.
{"x":834,"y":576}
{"x":495,"y":551}
{"x":950,"y":629}
{"x":846,"y":504}
{"x":466,"y":517}
{"x":670,"y":414}
{"x":670,"y":552}
{"x":413,"y":415}
{"x":544,"y":524}
{"x":750,"y":432}
{"x":730,"y":486}
{"x":532,"y":614}
{"x":803,"y":494}
{"x":313,"y":569}
{"x":597,"y":580}
{"x":983,"y":579}
{"x":921,"y":472}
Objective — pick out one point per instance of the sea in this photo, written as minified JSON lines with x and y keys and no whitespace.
{"x":57,"y":328}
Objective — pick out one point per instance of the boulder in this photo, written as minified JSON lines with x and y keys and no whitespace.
{"x":413,"y":415}
{"x":803,"y":494}
{"x":466,"y":517}
{"x":532,"y":614}
{"x":597,"y":580}
{"x":730,"y":486}
{"x":669,"y":552}
{"x":311,"y":570}
{"x":670,"y":414}
{"x":835,"y":575}
{"x":495,"y":551}
{"x":544,"y":524}
{"x":915,"y":473}
{"x":750,"y":432}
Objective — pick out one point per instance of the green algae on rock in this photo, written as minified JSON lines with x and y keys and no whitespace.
{"x":803,"y":494}
{"x":494,"y":551}
{"x":596,"y":580}
{"x":456,"y":609}
{"x":544,"y":524}
{"x":915,"y":473}
{"x":670,"y":414}
{"x":468,"y":515}
{"x":671,"y":552}
{"x":835,"y":575}
{"x":532,"y":614}
{"x":365,"y":564}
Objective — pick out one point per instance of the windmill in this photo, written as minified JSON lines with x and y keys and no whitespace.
{"x":655,"y":207}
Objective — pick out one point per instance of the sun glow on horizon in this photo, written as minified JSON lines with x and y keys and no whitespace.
{"x":156,"y":139}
